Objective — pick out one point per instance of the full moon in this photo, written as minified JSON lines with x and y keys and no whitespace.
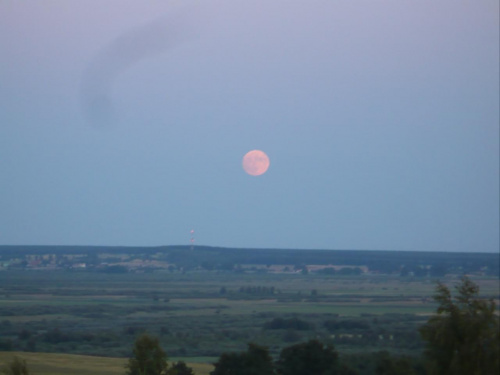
{"x":255,"y":162}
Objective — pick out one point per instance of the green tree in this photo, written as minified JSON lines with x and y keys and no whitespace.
{"x":255,"y":361}
{"x":16,"y":366}
{"x":312,"y":357}
{"x":463,"y":337}
{"x":180,"y":368}
{"x":227,"y":364}
{"x":148,"y":358}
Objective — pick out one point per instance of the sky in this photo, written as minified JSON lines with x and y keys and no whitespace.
{"x":125,"y":123}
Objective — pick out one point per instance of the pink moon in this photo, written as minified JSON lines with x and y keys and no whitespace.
{"x":255,"y":162}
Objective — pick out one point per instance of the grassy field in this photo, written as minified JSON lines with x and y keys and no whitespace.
{"x":64,"y":364}
{"x":202,"y":314}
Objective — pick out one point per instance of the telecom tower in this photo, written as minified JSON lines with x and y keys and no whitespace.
{"x":191,"y":240}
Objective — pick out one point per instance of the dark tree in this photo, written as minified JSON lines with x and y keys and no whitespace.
{"x":16,"y":366}
{"x":463,"y":337}
{"x":255,"y":361}
{"x":227,"y":364}
{"x":180,"y":368}
{"x":312,"y":357}
{"x":149,"y":358}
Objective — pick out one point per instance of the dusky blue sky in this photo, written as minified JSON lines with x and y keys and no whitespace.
{"x":125,"y":123}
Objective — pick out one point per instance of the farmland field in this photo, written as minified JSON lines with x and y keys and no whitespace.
{"x":205,"y":313}
{"x":63,"y":364}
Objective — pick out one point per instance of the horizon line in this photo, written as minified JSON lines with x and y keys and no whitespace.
{"x":256,"y":248}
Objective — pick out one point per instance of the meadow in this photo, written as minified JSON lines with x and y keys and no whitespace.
{"x":202,"y":314}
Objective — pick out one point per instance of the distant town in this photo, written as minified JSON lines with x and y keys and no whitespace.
{"x":204,"y":258}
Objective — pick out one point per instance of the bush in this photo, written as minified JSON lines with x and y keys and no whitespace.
{"x":256,"y":360}
{"x":311,"y":357}
{"x":16,"y":366}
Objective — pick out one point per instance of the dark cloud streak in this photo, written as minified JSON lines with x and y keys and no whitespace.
{"x":148,"y":41}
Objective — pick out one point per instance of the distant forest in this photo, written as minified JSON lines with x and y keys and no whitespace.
{"x":187,"y":258}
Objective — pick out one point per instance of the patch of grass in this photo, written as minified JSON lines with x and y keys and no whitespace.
{"x":64,"y":364}
{"x":59,"y":364}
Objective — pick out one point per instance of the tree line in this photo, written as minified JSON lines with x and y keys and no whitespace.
{"x":416,"y":263}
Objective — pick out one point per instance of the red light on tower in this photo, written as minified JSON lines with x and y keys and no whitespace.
{"x":191,"y":240}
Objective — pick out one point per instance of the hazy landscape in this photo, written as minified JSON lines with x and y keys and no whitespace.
{"x":204,"y":301}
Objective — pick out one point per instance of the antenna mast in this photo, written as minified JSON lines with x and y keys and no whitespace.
{"x":191,"y":240}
